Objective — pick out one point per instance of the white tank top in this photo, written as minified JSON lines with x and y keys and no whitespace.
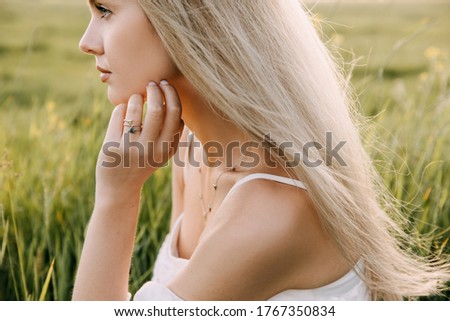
{"x":168,"y":263}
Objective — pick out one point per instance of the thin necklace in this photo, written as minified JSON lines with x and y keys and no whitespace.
{"x":215,"y":185}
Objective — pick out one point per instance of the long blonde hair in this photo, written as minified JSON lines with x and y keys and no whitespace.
{"x":263,"y":65}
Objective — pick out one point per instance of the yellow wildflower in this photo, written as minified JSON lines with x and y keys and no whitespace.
{"x":432,"y":53}
{"x":50,"y":106}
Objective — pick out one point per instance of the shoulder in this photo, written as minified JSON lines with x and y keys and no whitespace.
{"x":281,"y":204}
{"x":281,"y":216}
{"x":275,"y":208}
{"x":253,"y":247}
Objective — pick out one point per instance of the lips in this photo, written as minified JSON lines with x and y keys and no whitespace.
{"x":105,"y":74}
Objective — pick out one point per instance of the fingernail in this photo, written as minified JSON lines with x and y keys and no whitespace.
{"x":152,"y":83}
{"x":164,"y":82}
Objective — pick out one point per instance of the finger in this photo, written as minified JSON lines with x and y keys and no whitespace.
{"x":133,"y":118}
{"x":172,"y":118}
{"x":115,"y":127}
{"x":155,"y":113}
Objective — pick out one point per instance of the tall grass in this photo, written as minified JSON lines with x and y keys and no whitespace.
{"x":52,"y":128}
{"x":47,"y":181}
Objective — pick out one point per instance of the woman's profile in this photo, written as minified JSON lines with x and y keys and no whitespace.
{"x":273,"y":194}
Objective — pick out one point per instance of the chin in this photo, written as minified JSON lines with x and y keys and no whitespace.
{"x":122,"y":97}
{"x":117,"y":99}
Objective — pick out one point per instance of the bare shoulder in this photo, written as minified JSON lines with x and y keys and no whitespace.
{"x":291,"y":224}
{"x":282,"y":214}
{"x":262,"y":201}
{"x":253,"y":247}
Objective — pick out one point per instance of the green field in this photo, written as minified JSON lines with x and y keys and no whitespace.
{"x":54,"y":112}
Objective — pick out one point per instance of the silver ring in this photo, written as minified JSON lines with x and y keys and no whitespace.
{"x":128,"y":122}
{"x":134,"y":129}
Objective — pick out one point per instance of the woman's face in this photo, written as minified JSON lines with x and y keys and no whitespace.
{"x":129,"y":54}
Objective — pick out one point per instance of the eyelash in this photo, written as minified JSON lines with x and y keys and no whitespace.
{"x":105,"y":12}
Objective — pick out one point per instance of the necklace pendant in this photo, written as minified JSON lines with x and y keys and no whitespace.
{"x":215,"y":186}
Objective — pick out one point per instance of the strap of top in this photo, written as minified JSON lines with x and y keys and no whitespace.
{"x":281,"y":179}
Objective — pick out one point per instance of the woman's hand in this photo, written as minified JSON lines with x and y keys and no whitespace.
{"x":127,"y":157}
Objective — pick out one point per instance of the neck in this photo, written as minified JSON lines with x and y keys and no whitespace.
{"x":220,"y":139}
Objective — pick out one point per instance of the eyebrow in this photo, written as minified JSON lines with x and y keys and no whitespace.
{"x":94,"y":3}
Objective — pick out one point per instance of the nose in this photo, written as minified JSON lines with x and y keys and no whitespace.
{"x":91,"y":42}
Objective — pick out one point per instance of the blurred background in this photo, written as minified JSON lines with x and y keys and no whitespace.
{"x":54,"y":113}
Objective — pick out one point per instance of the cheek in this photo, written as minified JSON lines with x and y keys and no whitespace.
{"x":128,"y":75}
{"x":133,"y":76}
{"x":151,"y":58}
{"x":157,"y":65}
{"x":136,"y":56}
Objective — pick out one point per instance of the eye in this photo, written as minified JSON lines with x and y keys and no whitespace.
{"x":104,"y":12}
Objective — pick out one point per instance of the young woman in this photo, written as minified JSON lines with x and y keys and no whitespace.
{"x":295,"y":212}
